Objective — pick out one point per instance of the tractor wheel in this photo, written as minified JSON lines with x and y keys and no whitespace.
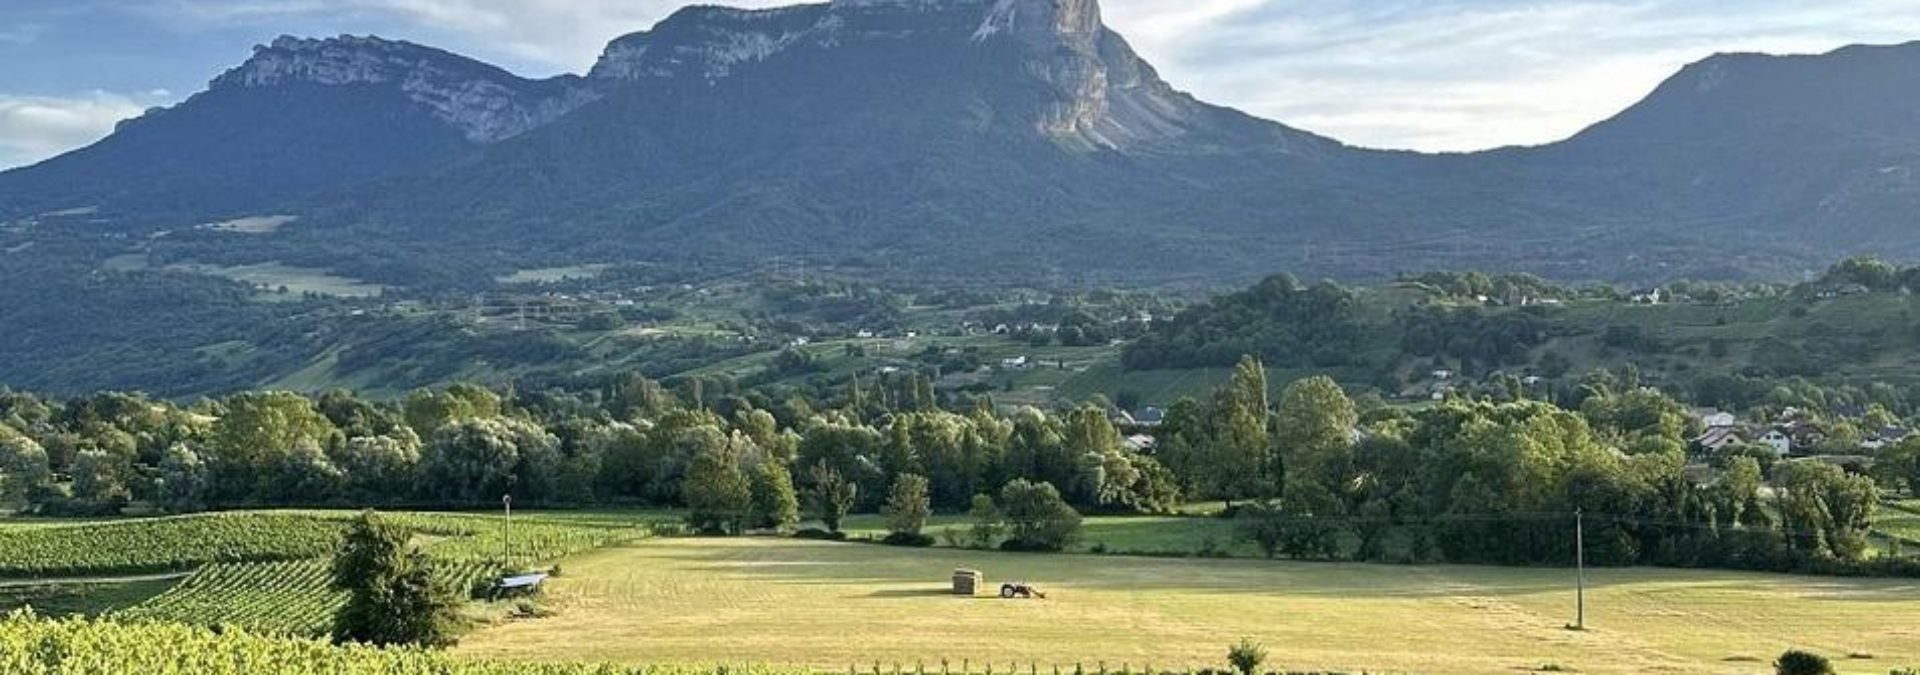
{"x":1006,"y":592}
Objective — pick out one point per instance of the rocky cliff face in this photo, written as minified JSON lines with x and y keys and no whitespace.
{"x":1102,"y":94}
{"x":484,"y":103}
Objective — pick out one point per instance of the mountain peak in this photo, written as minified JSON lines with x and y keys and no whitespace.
{"x":485,"y":103}
{"x":713,"y":41}
{"x":1040,"y":19}
{"x":346,"y":59}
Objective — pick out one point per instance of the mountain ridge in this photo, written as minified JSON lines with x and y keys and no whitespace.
{"x":1016,"y":135}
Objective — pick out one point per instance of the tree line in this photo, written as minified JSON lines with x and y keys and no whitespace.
{"x":1311,"y":474}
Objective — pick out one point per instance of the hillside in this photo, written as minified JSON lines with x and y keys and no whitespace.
{"x":1024,"y":139}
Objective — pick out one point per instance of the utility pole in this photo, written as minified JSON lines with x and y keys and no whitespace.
{"x":1580,"y":570}
{"x":506,"y":534}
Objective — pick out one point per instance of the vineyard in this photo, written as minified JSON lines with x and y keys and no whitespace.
{"x":165,"y":544}
{"x":268,"y":572}
{"x":34,"y":646}
{"x":283,"y":598}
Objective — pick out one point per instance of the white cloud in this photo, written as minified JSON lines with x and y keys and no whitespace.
{"x":1471,"y":74}
{"x":33,"y":128}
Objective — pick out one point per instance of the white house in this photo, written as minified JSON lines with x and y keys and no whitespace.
{"x":1778,"y":440}
{"x":1712,"y":418}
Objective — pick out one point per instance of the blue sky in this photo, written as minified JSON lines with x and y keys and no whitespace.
{"x":1422,"y":74}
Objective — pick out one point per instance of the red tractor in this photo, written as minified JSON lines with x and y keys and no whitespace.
{"x":1020,"y":589}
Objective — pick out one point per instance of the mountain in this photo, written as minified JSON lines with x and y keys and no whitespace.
{"x":299,"y":116}
{"x":996,"y":140}
{"x":1813,"y":151}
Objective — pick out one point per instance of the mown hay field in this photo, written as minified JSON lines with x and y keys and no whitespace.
{"x":831,"y":606}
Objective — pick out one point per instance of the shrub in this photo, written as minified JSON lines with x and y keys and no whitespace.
{"x":1797,"y":662}
{"x":1037,"y":518}
{"x":915,"y":539}
{"x":1246,"y":656}
{"x":1262,"y":525}
{"x":817,"y":533}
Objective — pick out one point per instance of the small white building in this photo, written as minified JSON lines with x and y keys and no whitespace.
{"x":1778,"y":440}
{"x":1712,"y":418}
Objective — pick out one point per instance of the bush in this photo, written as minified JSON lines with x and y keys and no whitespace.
{"x":1797,"y":662}
{"x":1246,"y":656}
{"x":914,"y":539}
{"x":987,"y":522}
{"x":817,"y":533}
{"x":1037,"y":518}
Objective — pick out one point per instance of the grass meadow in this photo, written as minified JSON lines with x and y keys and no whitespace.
{"x":835,"y":606}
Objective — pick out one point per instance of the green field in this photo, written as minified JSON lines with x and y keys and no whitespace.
{"x":831,"y":606}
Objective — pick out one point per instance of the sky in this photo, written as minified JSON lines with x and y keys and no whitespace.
{"x":1431,"y":75}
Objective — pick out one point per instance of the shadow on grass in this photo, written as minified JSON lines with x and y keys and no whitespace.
{"x":914,"y":593}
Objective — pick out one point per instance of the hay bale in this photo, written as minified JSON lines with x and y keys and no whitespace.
{"x":967,"y":582}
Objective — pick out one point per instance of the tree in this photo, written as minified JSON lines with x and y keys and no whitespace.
{"x":1262,"y":524}
{"x":1797,"y":662}
{"x":426,"y":411}
{"x":100,"y":480}
{"x":988,"y":523}
{"x":252,"y":435}
{"x":1824,"y":510}
{"x":831,"y":496}
{"x":393,"y":596}
{"x":907,"y":510}
{"x":1314,"y":430}
{"x":1308,"y":528}
{"x":379,"y":468}
{"x":1241,"y":453}
{"x":183,"y":479}
{"x":304,"y":475}
{"x":469,"y":462}
{"x":1899,"y":465}
{"x":25,"y":474}
{"x":775,"y":504}
{"x":1037,"y":518}
{"x":719,"y":500}
{"x":1739,"y":492}
{"x":475,"y":461}
{"x":1246,"y":656}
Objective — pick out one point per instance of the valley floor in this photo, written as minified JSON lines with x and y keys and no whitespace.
{"x":835,"y":606}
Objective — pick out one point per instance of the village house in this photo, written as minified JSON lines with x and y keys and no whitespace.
{"x":1713,"y":418}
{"x":1718,"y":438}
{"x":1778,"y":441}
{"x":1884,"y":436}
